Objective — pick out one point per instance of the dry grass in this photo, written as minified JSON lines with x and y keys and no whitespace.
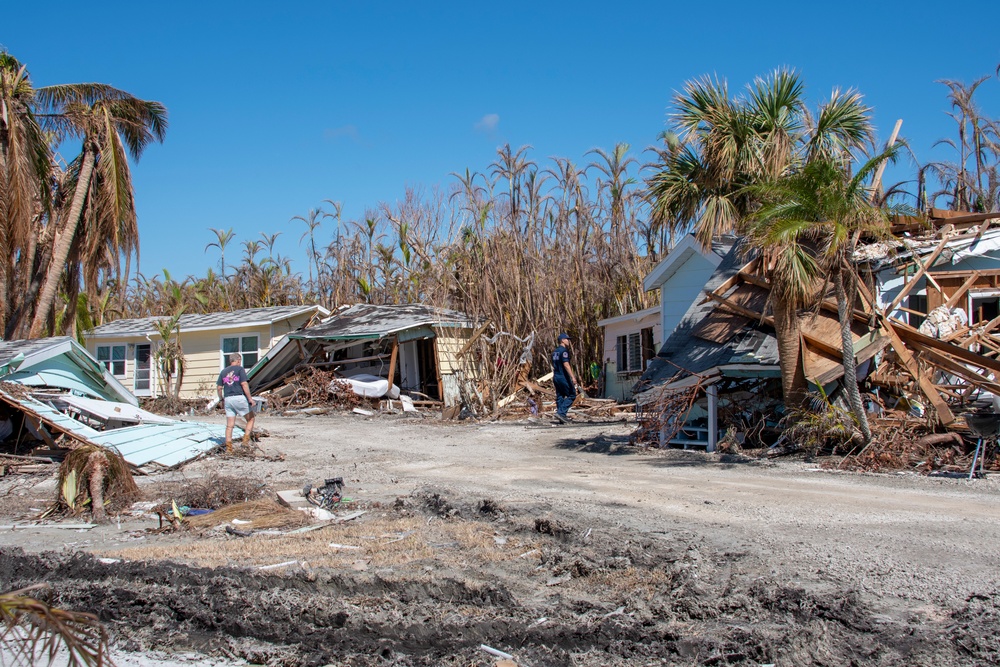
{"x":263,"y":514}
{"x":382,"y":541}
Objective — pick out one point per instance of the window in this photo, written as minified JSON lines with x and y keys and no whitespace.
{"x":245,"y":345}
{"x":112,"y":357}
{"x":984,"y":305}
{"x":630,"y":353}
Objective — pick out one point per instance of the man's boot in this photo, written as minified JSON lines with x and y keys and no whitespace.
{"x":246,"y":438}
{"x":229,"y":446}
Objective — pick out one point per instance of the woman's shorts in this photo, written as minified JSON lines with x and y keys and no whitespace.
{"x":237,"y":406}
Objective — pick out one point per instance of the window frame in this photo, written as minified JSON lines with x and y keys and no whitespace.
{"x":109,"y":363}
{"x":239,"y":338}
{"x":628,"y":348}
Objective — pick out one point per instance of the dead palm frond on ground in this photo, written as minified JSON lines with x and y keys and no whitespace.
{"x":33,"y":632}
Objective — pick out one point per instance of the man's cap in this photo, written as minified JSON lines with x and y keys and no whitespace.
{"x":563,"y":336}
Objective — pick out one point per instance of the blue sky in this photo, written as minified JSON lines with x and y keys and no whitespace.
{"x":273,"y":110}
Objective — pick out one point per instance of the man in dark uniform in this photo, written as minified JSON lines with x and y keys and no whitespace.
{"x":563,"y":378}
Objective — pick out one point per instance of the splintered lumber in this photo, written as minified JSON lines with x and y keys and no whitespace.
{"x":970,"y":281}
{"x":919,"y":340}
{"x":949,"y":365}
{"x":472,"y":339}
{"x":944,"y":413}
{"x":920,"y":272}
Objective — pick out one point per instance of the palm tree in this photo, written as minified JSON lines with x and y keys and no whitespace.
{"x":808,"y":226}
{"x":110,"y":123}
{"x":25,"y":175}
{"x":722,"y":148}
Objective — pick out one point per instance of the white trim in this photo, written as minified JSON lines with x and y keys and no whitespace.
{"x":222,"y":353}
{"x":683,"y":251}
{"x":111,"y":359}
{"x":629,"y":317}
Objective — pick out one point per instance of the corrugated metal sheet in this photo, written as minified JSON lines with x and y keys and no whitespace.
{"x":167,"y":444}
{"x":370,"y":321}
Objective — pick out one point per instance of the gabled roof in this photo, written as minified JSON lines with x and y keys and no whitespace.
{"x":370,"y":321}
{"x":685,"y":354}
{"x":59,"y":362}
{"x":630,"y":317}
{"x":688,"y":247}
{"x":246,"y":317}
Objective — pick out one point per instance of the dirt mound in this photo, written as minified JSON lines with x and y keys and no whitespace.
{"x":580,"y":597}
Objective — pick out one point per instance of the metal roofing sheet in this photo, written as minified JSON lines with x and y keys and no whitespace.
{"x":193,"y":321}
{"x":167,"y":444}
{"x":371,"y":321}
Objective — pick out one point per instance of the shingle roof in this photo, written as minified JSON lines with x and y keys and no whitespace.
{"x":195,"y":322}
{"x":683,"y":353}
{"x":370,"y":321}
{"x":11,"y":348}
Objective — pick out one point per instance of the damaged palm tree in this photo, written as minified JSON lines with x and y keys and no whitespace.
{"x":32,"y":632}
{"x":96,"y":476}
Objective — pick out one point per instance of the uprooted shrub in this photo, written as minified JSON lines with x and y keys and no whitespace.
{"x":95,"y":478}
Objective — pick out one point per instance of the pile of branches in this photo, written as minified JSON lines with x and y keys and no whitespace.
{"x":213,"y":492}
{"x":664,"y":418}
{"x":97,"y":478}
{"x":904,"y":443}
{"x":314,"y":387}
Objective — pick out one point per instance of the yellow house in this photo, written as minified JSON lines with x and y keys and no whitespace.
{"x":125,"y":347}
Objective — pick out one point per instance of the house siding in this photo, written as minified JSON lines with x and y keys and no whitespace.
{"x":683,"y":287}
{"x":202,"y":353}
{"x":619,"y":385}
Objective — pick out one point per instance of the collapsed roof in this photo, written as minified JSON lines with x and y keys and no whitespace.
{"x":60,"y":363}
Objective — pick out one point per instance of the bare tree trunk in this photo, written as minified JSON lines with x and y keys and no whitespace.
{"x":845,"y":306}
{"x":63,"y":243}
{"x":793,"y":378}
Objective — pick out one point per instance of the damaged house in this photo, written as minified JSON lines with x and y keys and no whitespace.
{"x":54,"y":395}
{"x":923,"y":341}
{"x":382,"y":350}
{"x":127,"y":348}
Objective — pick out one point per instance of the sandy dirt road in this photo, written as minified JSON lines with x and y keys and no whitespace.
{"x":696,"y":559}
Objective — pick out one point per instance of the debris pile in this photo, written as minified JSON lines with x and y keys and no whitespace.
{"x":926,"y":345}
{"x":312,"y":387}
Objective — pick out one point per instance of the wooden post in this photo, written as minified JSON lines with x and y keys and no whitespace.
{"x":877,"y":181}
{"x":713,"y":416}
{"x":392,"y":361}
{"x":923,"y":269}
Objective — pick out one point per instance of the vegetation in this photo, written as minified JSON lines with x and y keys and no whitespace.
{"x":34,"y":631}
{"x":65,"y":229}
{"x":531,"y":246}
{"x":722,"y":154}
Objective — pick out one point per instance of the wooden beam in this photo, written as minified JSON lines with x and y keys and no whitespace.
{"x":946,"y":363}
{"x":918,"y":339}
{"x":877,"y":181}
{"x":923,"y":269}
{"x":962,"y":291}
{"x":392,"y":360}
{"x":944,"y":413}
{"x":472,"y":339}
